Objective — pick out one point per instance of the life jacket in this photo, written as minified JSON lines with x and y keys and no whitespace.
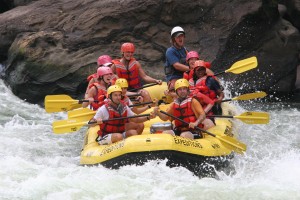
{"x":201,"y":86}
{"x":183,"y":110}
{"x":203,"y":99}
{"x":90,"y":77}
{"x":100,"y":96}
{"x":126,"y":100}
{"x":130,"y":72}
{"x":114,"y":126}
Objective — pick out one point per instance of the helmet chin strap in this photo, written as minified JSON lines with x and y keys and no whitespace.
{"x":182,"y":98}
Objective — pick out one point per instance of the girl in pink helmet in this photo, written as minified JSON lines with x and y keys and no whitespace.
{"x":102,"y":61}
{"x":97,"y":91}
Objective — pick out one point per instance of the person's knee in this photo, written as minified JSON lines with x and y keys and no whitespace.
{"x":208,"y":124}
{"x":131,"y":133}
{"x":116,"y":137}
{"x":187,"y":134}
{"x":171,"y":132}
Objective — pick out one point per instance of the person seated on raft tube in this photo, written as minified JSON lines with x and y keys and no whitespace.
{"x":103,"y":61}
{"x":191,"y":58}
{"x":97,"y":91}
{"x":139,"y":127}
{"x":208,"y":85}
{"x":129,"y":68}
{"x":188,"y":109}
{"x":114,"y":131}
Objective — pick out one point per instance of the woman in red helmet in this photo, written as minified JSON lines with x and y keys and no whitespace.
{"x":129,"y":68}
{"x":208,"y":85}
{"x":97,"y":90}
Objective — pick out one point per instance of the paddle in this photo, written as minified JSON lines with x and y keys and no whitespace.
{"x":72,"y":125}
{"x":145,"y":86}
{"x":85,"y":114}
{"x":133,"y":95}
{"x":238,"y":146}
{"x":249,"y":117}
{"x":248,"y":96}
{"x":241,"y":66}
{"x":58,"y":103}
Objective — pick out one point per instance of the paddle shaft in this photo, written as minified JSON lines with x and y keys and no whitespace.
{"x":221,"y":116}
{"x":219,"y":73}
{"x":149,"y":85}
{"x":200,"y":129}
{"x":133,"y":95}
{"x":140,"y":104}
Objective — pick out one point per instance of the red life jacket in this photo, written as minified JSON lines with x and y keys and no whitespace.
{"x":183,"y":110}
{"x":115,"y":126}
{"x":203,"y":100}
{"x":100,"y":96}
{"x":201,"y":86}
{"x":90,"y":77}
{"x":130,"y":73}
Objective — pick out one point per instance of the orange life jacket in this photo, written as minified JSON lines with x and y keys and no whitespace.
{"x":183,"y":110}
{"x":203,"y":99}
{"x":115,"y":126}
{"x":100,"y":96}
{"x":130,"y":72}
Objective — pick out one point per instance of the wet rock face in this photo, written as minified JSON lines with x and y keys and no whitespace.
{"x":51,"y":46}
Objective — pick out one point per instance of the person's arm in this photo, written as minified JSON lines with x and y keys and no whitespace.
{"x":206,"y":100}
{"x":163,"y":116}
{"x":90,"y":97}
{"x":215,"y":86}
{"x":199,"y":113}
{"x":181,"y":67}
{"x":145,"y":77}
{"x":220,"y":96}
{"x":139,"y":119}
{"x":101,"y":114}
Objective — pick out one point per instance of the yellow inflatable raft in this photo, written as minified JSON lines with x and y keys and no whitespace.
{"x":201,"y":156}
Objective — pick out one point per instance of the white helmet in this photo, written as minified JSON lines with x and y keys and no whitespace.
{"x":176,"y":30}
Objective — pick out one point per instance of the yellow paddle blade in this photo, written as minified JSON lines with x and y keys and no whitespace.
{"x":250,"y":96}
{"x":243,"y":65}
{"x":236,"y":145}
{"x":58,"y":103}
{"x":254,"y":117}
{"x":67,"y":126}
{"x":83,"y":114}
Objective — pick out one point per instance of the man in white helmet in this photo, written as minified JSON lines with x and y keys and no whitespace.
{"x":175,"y":64}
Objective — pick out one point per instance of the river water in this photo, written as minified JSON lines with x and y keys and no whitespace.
{"x":35,"y":163}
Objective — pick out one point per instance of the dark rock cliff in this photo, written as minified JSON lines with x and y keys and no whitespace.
{"x":51,"y":46}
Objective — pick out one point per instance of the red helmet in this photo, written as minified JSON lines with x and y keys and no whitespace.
{"x":103,"y":71}
{"x":104,"y":59}
{"x":192,"y":54}
{"x":127,"y":47}
{"x":199,"y":63}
